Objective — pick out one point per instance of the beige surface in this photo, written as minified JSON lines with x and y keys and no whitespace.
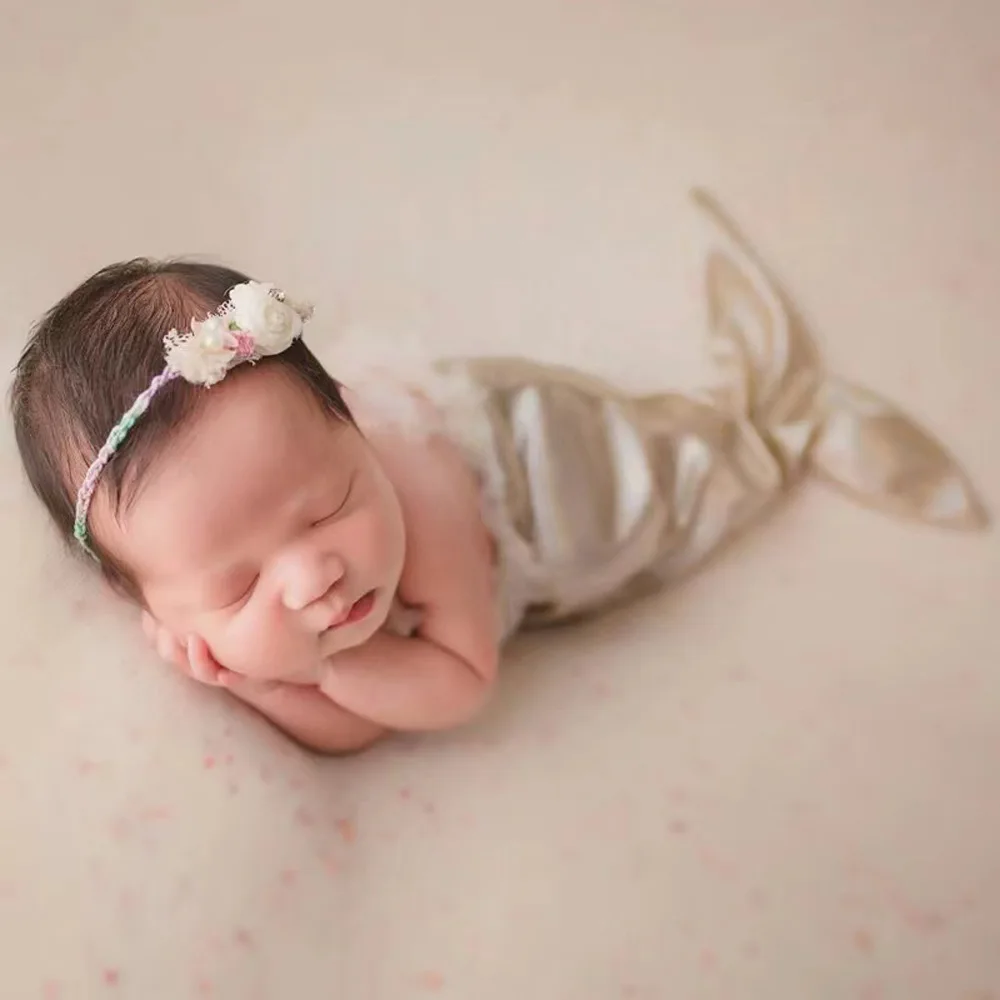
{"x":775,"y":782}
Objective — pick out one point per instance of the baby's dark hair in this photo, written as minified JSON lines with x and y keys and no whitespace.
{"x":90,"y":356}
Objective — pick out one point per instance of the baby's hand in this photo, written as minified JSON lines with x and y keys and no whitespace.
{"x":195,"y":659}
{"x":192,"y":658}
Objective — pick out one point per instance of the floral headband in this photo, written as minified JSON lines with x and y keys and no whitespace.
{"x":255,"y":321}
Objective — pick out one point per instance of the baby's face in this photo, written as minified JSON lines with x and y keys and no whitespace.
{"x":269,"y":529}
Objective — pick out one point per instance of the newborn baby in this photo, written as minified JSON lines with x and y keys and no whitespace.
{"x":349,"y":561}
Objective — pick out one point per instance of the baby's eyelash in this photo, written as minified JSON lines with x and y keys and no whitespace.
{"x":325,"y":518}
{"x":340,"y":506}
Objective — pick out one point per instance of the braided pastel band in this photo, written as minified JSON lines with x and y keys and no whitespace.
{"x":255,"y":321}
{"x":118,"y":434}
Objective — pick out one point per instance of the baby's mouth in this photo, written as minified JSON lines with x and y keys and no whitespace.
{"x":359,"y":610}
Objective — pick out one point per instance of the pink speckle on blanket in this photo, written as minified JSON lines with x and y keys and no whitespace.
{"x":921,"y":920}
{"x":863,"y":941}
{"x":348,"y":830}
{"x":51,"y":990}
{"x":121,"y":828}
{"x":111,"y":977}
{"x":244,"y":938}
{"x":430,"y":981}
{"x":679,"y":796}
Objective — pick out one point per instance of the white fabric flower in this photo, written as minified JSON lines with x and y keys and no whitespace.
{"x":255,"y":321}
{"x":204,"y":355}
{"x":272,"y":323}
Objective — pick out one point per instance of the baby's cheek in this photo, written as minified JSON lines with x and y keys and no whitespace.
{"x":259,"y":645}
{"x":385,"y":535}
{"x":239,"y":644}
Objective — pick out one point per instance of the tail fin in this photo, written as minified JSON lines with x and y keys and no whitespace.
{"x":846,"y":436}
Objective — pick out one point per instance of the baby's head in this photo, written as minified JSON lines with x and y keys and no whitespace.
{"x":252,"y":513}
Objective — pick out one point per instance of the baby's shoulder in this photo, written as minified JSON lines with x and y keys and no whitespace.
{"x":440,"y":498}
{"x":425,"y":468}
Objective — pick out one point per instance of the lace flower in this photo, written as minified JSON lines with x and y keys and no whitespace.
{"x":255,"y":321}
{"x":204,"y":355}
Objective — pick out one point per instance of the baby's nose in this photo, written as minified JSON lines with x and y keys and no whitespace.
{"x":309,"y":580}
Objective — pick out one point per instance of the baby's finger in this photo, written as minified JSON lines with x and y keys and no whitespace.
{"x":203,"y":666}
{"x":226,"y":678}
{"x":168,"y":648}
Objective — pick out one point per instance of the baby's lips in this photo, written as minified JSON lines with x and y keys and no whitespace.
{"x":340,"y":610}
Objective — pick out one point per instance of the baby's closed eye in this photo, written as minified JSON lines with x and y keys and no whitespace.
{"x":325,"y":515}
{"x":235,"y":594}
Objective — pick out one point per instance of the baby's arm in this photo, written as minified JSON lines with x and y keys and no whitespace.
{"x":303,"y":713}
{"x":307,"y":715}
{"x":443,"y":675}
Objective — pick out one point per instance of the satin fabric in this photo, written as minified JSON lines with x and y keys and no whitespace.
{"x":595,"y":495}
